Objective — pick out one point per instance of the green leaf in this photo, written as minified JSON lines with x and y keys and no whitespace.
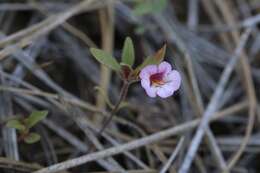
{"x":128,"y":54}
{"x":15,"y":124}
{"x":105,"y":58}
{"x":149,"y":6}
{"x":32,"y":138}
{"x":35,"y":117}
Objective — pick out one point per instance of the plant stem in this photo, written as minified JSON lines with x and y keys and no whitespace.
{"x":122,"y":96}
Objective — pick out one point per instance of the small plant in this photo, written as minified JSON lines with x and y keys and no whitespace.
{"x":24,"y":125}
{"x":157,"y":76}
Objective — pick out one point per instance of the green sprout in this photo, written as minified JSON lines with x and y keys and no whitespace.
{"x":24,"y":125}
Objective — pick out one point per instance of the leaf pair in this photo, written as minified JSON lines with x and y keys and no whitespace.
{"x":24,"y":125}
{"x":128,"y":56}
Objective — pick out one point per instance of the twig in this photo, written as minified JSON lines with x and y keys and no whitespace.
{"x":52,"y":98}
{"x":27,"y":36}
{"x":122,"y":96}
{"x":113,"y":141}
{"x":18,"y":165}
{"x":212,"y":106}
{"x":173,"y":156}
{"x":136,"y":143}
{"x":242,"y":147}
{"x":46,"y":25}
{"x":73,"y":30}
{"x":9,"y":134}
{"x":193,"y":17}
{"x":81,"y":104}
{"x":47,"y":145}
{"x":70,"y":138}
{"x":134,"y":171}
{"x":28,"y":6}
{"x":111,"y":164}
{"x":173,"y":32}
{"x":247,"y":76}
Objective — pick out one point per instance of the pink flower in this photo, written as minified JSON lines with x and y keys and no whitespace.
{"x":160,"y":80}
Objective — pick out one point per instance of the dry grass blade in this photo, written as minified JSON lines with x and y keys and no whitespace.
{"x":137,"y":143}
{"x":46,"y":64}
{"x":212,"y":107}
{"x":172,"y":157}
{"x":27,"y":36}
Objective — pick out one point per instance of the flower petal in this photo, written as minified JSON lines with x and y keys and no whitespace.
{"x":151,"y":91}
{"x":174,"y":79}
{"x":145,"y":83}
{"x":165,"y":91}
{"x":164,"y":67}
{"x":147,"y":71}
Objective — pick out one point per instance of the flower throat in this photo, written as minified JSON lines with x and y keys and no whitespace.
{"x":157,"y":79}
